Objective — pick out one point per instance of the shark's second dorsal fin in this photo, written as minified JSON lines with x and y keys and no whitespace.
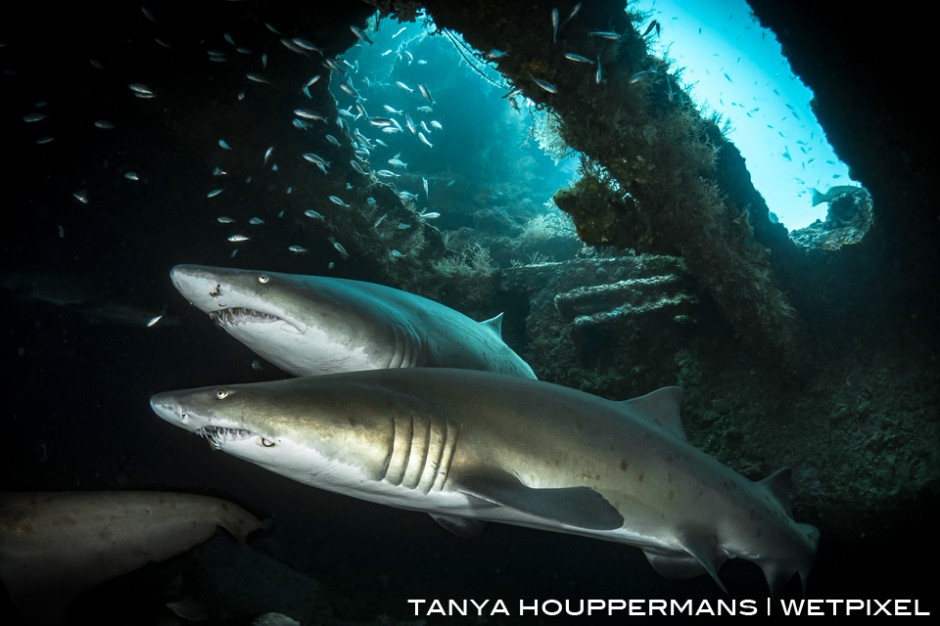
{"x":575,"y":506}
{"x":778,"y":484}
{"x":662,"y":407}
{"x":495,"y":324}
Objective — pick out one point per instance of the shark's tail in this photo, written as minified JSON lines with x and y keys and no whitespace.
{"x":779,"y":572}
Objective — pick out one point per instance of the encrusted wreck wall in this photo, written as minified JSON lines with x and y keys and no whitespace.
{"x":670,"y":165}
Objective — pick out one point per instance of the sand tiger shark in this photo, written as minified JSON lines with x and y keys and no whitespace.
{"x":469,"y":447}
{"x":312,"y":325}
{"x":55,"y":546}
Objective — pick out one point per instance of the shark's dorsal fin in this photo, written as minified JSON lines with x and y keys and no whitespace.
{"x":575,"y":506}
{"x":662,"y":407}
{"x":463,"y":527}
{"x":778,"y":484}
{"x":495,"y":324}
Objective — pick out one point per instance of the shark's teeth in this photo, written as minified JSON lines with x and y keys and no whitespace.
{"x":240,"y":315}
{"x":218,"y":435}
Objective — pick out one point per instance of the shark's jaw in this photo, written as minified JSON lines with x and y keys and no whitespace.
{"x":219,"y":436}
{"x":232,"y":319}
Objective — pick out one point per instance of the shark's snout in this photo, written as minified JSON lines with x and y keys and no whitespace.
{"x":167,"y":407}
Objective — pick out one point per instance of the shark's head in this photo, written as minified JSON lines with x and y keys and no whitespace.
{"x":303,"y":324}
{"x":266,"y":424}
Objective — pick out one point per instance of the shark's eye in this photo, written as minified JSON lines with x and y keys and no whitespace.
{"x":267,"y":443}
{"x":221,"y":394}
{"x":263,"y":278}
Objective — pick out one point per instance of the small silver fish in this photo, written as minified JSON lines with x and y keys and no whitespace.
{"x":314,"y":215}
{"x":357,"y":166}
{"x":239,"y":238}
{"x":577,"y":58}
{"x":348,"y":90}
{"x":224,"y":145}
{"x":297,"y":249}
{"x":131,"y":176}
{"x":397,"y":254}
{"x":257,"y":78}
{"x":141,"y":89}
{"x":30,"y":118}
{"x":303,"y":44}
{"x":339,"y":201}
{"x":402,"y":85}
{"x":104,"y":124}
{"x":256,"y":221}
{"x":436,"y":125}
{"x":554,"y":24}
{"x":605,"y":34}
{"x":307,"y":114}
{"x":267,"y":154}
{"x":424,"y":140}
{"x":218,"y":171}
{"x":425,"y":92}
{"x":81,"y":195}
{"x":214,"y":193}
{"x":358,"y":32}
{"x":544,"y":84}
{"x":339,"y":248}
{"x":225,"y":219}
{"x":154,"y":320}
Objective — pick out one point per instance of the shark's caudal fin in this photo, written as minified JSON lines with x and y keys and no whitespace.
{"x":779,"y":573}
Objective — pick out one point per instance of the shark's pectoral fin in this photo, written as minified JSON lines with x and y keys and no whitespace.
{"x":575,"y":506}
{"x":463,"y":527}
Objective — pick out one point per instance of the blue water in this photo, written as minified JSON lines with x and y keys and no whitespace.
{"x":733,"y":66}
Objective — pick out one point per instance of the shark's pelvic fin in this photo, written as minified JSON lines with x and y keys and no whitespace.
{"x":575,"y":506}
{"x":463,"y":527}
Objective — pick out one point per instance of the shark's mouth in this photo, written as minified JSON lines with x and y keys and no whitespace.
{"x":240,"y":315}
{"x":219,"y":435}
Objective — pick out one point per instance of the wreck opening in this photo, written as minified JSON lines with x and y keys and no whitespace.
{"x":435,"y":120}
{"x":732,"y":65}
